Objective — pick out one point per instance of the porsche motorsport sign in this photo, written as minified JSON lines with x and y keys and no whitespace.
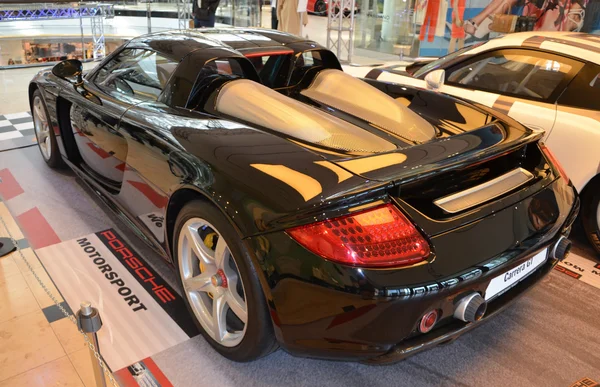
{"x":142,"y":313}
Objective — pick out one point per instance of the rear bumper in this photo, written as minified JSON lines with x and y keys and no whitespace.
{"x":324,"y":310}
{"x":451,"y":331}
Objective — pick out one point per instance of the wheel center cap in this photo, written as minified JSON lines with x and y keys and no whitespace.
{"x":219,"y":279}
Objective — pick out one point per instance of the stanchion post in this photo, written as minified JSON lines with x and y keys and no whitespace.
{"x":149,"y":15}
{"x":89,"y":321}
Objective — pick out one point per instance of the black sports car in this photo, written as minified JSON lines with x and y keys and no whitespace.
{"x":305,"y":208}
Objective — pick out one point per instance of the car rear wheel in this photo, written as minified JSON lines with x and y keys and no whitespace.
{"x":221,"y":286}
{"x":320,"y":7}
{"x":44,"y":133}
{"x":590,"y":212}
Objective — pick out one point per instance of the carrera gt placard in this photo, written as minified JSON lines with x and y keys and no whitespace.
{"x":507,"y":280}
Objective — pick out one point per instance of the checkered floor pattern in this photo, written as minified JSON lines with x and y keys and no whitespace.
{"x":16,"y":131}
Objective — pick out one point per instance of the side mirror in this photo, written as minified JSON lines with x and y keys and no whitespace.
{"x":70,"y":70}
{"x":435,"y":79}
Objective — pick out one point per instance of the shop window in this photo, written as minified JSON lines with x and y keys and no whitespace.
{"x":530,"y":76}
{"x":135,"y":73}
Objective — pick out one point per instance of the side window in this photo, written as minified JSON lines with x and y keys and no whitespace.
{"x":517,"y":73}
{"x":224,"y":66}
{"x":310,"y":58}
{"x":584,"y":91}
{"x":135,"y":74}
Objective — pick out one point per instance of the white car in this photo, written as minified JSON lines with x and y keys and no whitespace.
{"x":545,"y":80}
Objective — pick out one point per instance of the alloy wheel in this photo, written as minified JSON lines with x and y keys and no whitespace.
{"x":212,"y":283}
{"x":42,"y":127}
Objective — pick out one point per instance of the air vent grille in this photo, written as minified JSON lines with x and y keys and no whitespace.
{"x":481,"y":193}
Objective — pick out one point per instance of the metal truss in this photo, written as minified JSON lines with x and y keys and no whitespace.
{"x":184,"y":13}
{"x":96,"y":12}
{"x":340,"y":28}
{"x":47,"y":11}
{"x":98,"y":40}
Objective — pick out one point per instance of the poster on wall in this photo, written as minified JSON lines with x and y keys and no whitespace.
{"x":448,"y":25}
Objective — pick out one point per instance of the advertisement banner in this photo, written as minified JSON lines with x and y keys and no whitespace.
{"x":448,"y":25}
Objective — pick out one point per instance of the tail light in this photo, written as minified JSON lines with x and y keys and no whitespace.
{"x":550,"y":156}
{"x":377,"y":237}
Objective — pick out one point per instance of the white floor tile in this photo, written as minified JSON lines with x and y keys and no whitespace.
{"x":5,"y":123}
{"x":16,"y":115}
{"x":24,"y":126}
{"x":9,"y":135}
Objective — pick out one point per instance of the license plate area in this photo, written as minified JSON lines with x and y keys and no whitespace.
{"x":511,"y":277}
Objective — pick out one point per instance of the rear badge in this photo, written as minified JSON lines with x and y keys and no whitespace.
{"x":507,"y":280}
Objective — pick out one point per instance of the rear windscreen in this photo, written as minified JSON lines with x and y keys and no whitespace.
{"x":214,"y":74}
{"x":200,"y":72}
{"x":310,"y":62}
{"x":273,"y":69}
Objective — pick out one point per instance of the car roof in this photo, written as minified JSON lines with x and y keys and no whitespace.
{"x":575,"y":44}
{"x":176,"y":44}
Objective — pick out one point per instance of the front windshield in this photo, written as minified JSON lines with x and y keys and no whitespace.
{"x":439,"y":63}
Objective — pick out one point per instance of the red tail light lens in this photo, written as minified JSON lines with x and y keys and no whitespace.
{"x":378,"y":237}
{"x":550,"y":156}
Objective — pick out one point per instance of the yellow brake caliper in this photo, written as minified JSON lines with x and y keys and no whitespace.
{"x":209,"y":241}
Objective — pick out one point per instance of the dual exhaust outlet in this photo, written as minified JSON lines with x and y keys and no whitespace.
{"x":472,"y":307}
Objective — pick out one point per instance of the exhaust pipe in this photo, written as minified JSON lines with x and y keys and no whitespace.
{"x":470,"y":308}
{"x":561,"y":249}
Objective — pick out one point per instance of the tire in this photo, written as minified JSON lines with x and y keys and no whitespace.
{"x":590,"y":213}
{"x":44,"y":132}
{"x":321,"y":8}
{"x":242,"y":342}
